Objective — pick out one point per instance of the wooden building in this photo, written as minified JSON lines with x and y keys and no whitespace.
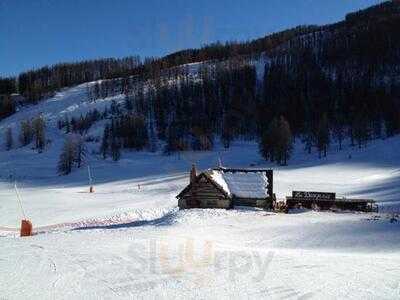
{"x":328,"y":201}
{"x":226,"y":188}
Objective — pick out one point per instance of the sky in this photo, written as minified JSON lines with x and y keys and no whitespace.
{"x":34,"y":33}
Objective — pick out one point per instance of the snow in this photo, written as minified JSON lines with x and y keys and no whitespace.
{"x":242,"y":184}
{"x":218,"y":177}
{"x":209,"y":254}
{"x":129,"y":240}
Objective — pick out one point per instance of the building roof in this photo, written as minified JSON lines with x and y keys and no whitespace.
{"x":241,"y":183}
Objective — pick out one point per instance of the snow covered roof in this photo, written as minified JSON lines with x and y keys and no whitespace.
{"x":240,"y":183}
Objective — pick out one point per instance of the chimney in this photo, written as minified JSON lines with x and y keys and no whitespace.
{"x":193,"y":174}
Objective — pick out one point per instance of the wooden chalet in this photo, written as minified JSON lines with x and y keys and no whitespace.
{"x":226,"y":188}
{"x":328,"y":201}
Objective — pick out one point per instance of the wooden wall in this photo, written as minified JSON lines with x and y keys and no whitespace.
{"x":263,"y":203}
{"x":203,"y":194}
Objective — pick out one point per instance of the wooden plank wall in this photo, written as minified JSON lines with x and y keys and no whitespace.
{"x":206,"y":195}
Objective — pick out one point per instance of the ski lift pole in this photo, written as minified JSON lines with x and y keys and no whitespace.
{"x":91,"y":189}
{"x":19,"y":200}
{"x":26,"y":225}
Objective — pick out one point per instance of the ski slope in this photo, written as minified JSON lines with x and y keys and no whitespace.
{"x":128,"y":239}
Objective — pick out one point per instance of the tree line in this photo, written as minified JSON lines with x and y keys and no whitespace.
{"x":40,"y":83}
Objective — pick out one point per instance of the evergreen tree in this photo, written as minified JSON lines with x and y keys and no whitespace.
{"x":128,"y":103}
{"x":175,"y":140}
{"x":152,"y":138}
{"x":80,"y":150}
{"x":284,"y":142}
{"x":39,"y":126}
{"x":339,"y":129}
{"x":67,"y":125}
{"x":323,"y":136}
{"x":115,"y":145}
{"x":227,"y":134}
{"x":277,"y":142}
{"x":105,"y":141}
{"x":268,"y":141}
{"x":361,"y":130}
{"x":115,"y":149}
{"x":7,"y":107}
{"x":26,"y":133}
{"x":9,"y":142}
{"x":67,"y":156}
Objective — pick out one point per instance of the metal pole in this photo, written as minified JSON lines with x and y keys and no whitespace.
{"x":90,"y":175}
{"x":19,"y":199}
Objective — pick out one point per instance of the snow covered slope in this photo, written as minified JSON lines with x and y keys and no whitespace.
{"x":128,"y":240}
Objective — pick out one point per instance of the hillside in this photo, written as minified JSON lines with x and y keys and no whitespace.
{"x":324,"y":83}
{"x":126,"y":239}
{"x":364,"y":175}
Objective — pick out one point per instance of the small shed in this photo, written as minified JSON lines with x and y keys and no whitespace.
{"x":227,"y":187}
{"x":328,"y":201}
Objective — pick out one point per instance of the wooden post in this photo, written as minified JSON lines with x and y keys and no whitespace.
{"x":193,"y":174}
{"x":270,"y":176}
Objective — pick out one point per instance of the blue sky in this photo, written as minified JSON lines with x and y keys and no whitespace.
{"x":34,"y":33}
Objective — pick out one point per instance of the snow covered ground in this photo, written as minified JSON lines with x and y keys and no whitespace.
{"x":129,"y":240}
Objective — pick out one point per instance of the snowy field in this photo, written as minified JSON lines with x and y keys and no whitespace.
{"x":129,"y":240}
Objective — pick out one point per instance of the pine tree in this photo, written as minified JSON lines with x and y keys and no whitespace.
{"x":67,"y":156}
{"x":323,"y":136}
{"x":284,"y":142}
{"x":128,"y":103}
{"x":80,"y":150}
{"x":38,"y":125}
{"x":277,"y":142}
{"x":115,"y":149}
{"x":152,"y":138}
{"x":114,"y":108}
{"x":115,"y":145}
{"x":26,"y":133}
{"x":96,"y":91}
{"x":7,"y":106}
{"x":339,"y":129}
{"x":227,"y":134}
{"x":9,"y":139}
{"x":175,"y":141}
{"x":361,"y":130}
{"x":105,"y":141}
{"x":268,"y":141}
{"x":67,"y":125}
